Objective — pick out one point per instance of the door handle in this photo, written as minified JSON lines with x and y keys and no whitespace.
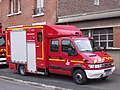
{"x":50,"y":57}
{"x":38,"y":46}
{"x":60,"y":57}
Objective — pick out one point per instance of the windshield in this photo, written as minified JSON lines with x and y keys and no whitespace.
{"x":2,"y":41}
{"x":86,"y":45}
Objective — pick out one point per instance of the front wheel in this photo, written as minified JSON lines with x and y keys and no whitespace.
{"x":22,"y":70}
{"x":79,"y":77}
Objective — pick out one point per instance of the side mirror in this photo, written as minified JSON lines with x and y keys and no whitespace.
{"x":72,"y":52}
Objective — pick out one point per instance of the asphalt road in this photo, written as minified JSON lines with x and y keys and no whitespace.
{"x":112,"y":83}
{"x":10,"y":85}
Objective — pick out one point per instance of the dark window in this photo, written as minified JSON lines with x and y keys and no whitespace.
{"x":103,"y":31}
{"x":2,"y":41}
{"x":110,"y":37}
{"x":39,"y":36}
{"x":96,"y":31}
{"x":85,"y":32}
{"x":110,"y":31}
{"x":54,"y":46}
{"x":66,"y":45}
{"x":103,"y":44}
{"x":110,"y":44}
{"x":96,"y":37}
{"x":103,"y":37}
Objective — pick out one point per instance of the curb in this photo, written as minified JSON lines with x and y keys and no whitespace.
{"x":49,"y":87}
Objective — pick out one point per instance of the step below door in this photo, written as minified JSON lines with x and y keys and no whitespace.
{"x":31,"y":53}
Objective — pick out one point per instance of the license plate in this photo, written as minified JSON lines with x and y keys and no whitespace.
{"x":107,"y":72}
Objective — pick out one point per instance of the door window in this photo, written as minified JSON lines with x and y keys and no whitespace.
{"x":54,"y":46}
{"x":66,"y":46}
{"x":39,"y":36}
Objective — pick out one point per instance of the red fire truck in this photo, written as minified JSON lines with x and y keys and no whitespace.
{"x":56,"y":49}
{"x":2,"y":47}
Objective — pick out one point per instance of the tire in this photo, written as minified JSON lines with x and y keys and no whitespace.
{"x":22,"y":70}
{"x":79,"y":77}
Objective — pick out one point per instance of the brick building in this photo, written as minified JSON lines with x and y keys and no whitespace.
{"x":99,"y":19}
{"x":27,"y":12}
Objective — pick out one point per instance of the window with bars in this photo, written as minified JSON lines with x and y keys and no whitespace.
{"x":39,"y":7}
{"x":15,"y":7}
{"x":102,"y":36}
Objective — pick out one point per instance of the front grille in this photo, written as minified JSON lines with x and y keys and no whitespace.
{"x":107,"y":64}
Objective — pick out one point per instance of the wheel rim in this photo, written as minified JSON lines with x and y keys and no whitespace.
{"x":78,"y":77}
{"x":22,"y":70}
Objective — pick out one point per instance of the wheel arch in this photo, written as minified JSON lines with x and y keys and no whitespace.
{"x":76,"y":68}
{"x":18,"y":67}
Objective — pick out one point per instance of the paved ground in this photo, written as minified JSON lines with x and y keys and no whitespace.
{"x":112,"y":83}
{"x":10,"y":85}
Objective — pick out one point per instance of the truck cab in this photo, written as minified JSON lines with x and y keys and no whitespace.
{"x":80,"y":57}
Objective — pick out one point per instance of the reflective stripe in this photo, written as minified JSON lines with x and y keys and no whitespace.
{"x":54,"y":59}
{"x":77,"y":61}
{"x":15,"y":29}
{"x":42,"y":45}
{"x":40,"y":59}
{"x":57,"y":60}
{"x":24,"y":27}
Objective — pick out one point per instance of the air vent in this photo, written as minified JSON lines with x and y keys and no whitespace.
{"x":92,"y":55}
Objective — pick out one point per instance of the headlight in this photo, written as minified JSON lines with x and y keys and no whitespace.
{"x":98,"y":65}
{"x":95,"y":65}
{"x":91,"y":66}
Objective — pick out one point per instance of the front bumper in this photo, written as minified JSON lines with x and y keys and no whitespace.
{"x":92,"y":74}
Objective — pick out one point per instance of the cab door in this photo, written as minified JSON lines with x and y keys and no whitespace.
{"x":54,"y":55}
{"x":66,"y":62}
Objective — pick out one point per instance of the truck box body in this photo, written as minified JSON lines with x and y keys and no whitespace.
{"x":56,"y":49}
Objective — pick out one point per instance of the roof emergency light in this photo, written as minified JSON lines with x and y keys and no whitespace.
{"x":76,"y":33}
